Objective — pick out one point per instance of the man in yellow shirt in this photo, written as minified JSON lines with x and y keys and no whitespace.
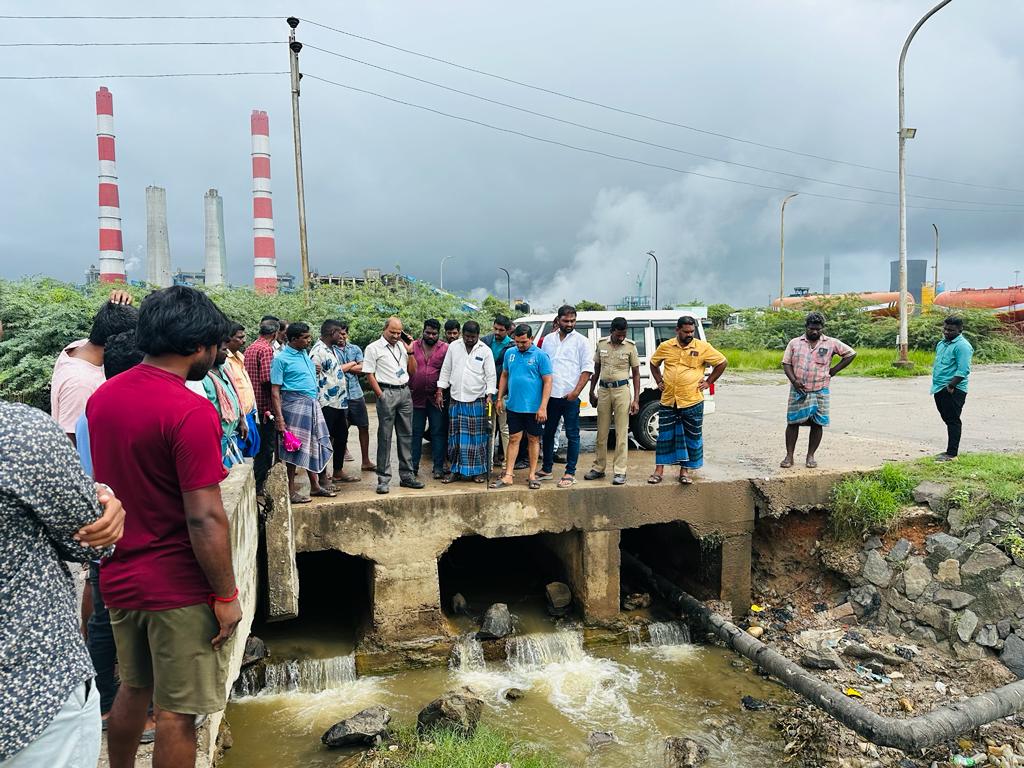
{"x":681,"y":416}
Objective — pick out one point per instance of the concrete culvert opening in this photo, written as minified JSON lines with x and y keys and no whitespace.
{"x":335,"y":599}
{"x":671,"y":549}
{"x":512,"y":570}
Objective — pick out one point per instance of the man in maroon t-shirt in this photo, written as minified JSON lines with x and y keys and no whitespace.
{"x":169,"y":586}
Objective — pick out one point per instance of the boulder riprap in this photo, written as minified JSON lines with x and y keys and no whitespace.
{"x":931,"y":493}
{"x":456,"y":712}
{"x":559,"y":598}
{"x":496,"y":624}
{"x":684,"y":753}
{"x":367,"y":727}
{"x":985,"y":561}
{"x":1013,"y":655}
{"x":876,"y":570}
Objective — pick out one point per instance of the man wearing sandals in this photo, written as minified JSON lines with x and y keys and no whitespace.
{"x":293,"y":389}
{"x":572,"y":365}
{"x":468,"y":373}
{"x":808,"y":366}
{"x":681,"y":415}
{"x":526,"y":377}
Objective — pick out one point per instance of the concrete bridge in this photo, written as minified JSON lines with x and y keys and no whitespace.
{"x":397,"y":550}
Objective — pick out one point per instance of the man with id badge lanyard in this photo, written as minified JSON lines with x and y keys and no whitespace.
{"x":388,"y":366}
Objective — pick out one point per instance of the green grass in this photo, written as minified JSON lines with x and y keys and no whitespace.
{"x":869,"y":362}
{"x":980,"y":484}
{"x":487,"y":747}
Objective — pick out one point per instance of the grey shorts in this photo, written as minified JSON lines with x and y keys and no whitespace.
{"x":357,"y":415}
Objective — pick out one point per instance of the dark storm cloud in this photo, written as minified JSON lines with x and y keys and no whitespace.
{"x":388,"y":185}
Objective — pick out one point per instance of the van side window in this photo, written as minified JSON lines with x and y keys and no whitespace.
{"x":635,"y":331}
{"x":663,"y":331}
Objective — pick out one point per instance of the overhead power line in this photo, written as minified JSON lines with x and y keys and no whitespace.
{"x":143,"y":44}
{"x":643,"y":116}
{"x":650,"y":143}
{"x":124,"y":76}
{"x":139,"y":18}
{"x":632,"y":160}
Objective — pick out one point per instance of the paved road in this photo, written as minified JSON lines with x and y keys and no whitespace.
{"x":873,"y":421}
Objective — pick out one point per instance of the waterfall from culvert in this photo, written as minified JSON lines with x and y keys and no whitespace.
{"x":669,"y":633}
{"x":310,"y":675}
{"x":531,"y":651}
{"x":468,"y":655}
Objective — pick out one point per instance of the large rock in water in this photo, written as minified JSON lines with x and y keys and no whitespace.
{"x":496,"y":624}
{"x":684,"y":753}
{"x":559,"y":598}
{"x":456,"y":712}
{"x":368,"y":727}
{"x":255,"y":650}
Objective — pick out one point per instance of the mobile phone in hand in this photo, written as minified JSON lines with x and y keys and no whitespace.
{"x":406,"y":337}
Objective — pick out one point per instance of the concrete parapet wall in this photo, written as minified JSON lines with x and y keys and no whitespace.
{"x":238,"y":492}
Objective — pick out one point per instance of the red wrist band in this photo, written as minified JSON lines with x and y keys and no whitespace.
{"x":218,"y":599}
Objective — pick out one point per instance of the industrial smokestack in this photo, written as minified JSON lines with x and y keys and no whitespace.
{"x":264,"y":255}
{"x":158,"y":246}
{"x":827,"y":287}
{"x":216,"y":253}
{"x":111,"y":246}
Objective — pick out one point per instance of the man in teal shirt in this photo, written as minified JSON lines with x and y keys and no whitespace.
{"x":949,"y":381}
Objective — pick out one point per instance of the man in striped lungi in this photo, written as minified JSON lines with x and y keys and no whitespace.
{"x":468,"y":372}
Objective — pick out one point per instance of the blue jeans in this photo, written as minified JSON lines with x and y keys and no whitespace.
{"x":438,"y":421}
{"x":101,"y":643}
{"x":569,"y":412}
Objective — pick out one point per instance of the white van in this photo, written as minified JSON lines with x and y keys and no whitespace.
{"x":647,"y":330}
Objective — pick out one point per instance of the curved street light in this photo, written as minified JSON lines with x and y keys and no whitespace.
{"x":906,"y":133}
{"x":443,"y":260}
{"x":782,"y":248}
{"x":651,"y":254}
{"x":508,"y":285}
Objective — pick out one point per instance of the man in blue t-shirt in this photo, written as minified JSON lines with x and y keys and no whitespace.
{"x":526,"y":377}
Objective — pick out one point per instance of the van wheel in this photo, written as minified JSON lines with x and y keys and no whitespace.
{"x":645,"y":425}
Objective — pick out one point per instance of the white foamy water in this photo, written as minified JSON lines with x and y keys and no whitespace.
{"x":468,"y":654}
{"x":669,"y":633}
{"x":588,"y":690}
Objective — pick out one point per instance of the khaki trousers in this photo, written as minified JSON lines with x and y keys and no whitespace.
{"x":612,"y":402}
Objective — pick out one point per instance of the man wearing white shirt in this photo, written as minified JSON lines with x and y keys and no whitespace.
{"x":468,"y":371}
{"x":388,"y":366}
{"x":572,"y":365}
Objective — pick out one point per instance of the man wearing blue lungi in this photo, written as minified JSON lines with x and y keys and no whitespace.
{"x":468,"y":372}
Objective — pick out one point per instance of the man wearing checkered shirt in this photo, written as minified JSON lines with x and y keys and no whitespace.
{"x":808,"y":366}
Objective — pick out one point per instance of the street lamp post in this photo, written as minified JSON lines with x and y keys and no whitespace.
{"x":651,"y":254}
{"x":508,"y":285}
{"x":443,"y":260}
{"x":935,"y":279}
{"x":782,"y":249}
{"x":906,"y":133}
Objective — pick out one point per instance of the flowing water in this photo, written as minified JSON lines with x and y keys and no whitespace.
{"x":643,"y":693}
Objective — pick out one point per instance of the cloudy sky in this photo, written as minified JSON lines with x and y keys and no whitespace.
{"x":388,"y":184}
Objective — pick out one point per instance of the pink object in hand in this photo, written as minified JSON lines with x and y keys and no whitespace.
{"x":291,"y":442}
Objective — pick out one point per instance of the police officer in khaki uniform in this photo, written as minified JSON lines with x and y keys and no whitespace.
{"x":615,"y":362}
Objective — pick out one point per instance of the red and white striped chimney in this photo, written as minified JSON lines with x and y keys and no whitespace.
{"x":264,"y":255}
{"x":111,"y":247}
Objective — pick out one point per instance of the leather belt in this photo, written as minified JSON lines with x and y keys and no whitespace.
{"x":613,"y":384}
{"x":392,"y":386}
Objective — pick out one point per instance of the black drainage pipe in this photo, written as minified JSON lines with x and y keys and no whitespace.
{"x":910,"y":734}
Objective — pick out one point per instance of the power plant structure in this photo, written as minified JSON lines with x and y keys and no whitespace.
{"x":158,"y":245}
{"x":216,"y":253}
{"x":264,"y":254}
{"x":111,"y":245}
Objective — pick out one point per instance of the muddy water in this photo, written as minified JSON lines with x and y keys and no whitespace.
{"x":641,"y":694}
